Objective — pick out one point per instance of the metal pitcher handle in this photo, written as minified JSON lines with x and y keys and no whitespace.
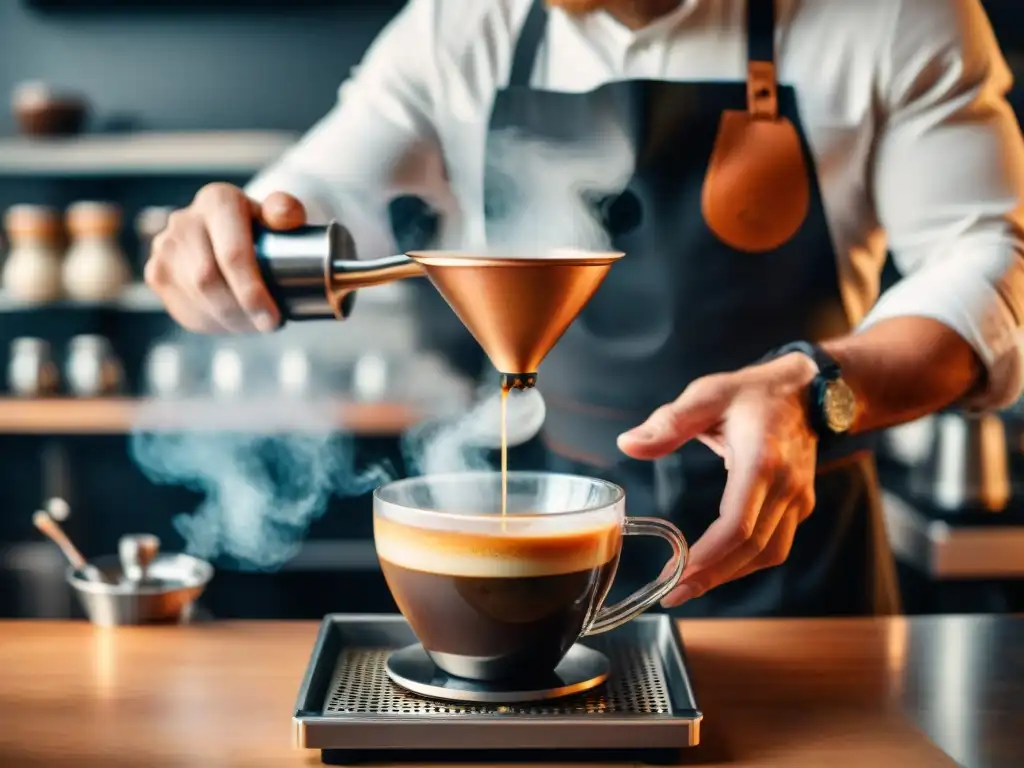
{"x":313,"y":273}
{"x":294,"y":265}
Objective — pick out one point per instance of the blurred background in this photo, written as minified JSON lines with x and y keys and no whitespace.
{"x":117,"y":111}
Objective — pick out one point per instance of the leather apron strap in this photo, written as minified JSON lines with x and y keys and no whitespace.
{"x":530,"y":38}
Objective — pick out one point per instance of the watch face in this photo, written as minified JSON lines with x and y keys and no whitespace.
{"x":839,"y":406}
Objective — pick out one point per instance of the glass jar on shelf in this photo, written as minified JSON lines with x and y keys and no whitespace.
{"x":31,"y":370}
{"x":32,"y":271}
{"x":95,"y":268}
{"x":92,"y":368}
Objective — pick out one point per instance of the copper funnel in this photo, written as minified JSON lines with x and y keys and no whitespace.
{"x":516,"y":308}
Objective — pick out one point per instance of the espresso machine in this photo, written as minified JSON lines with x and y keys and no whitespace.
{"x":367,"y":694}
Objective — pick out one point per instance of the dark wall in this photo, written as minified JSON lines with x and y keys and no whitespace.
{"x":275,"y":69}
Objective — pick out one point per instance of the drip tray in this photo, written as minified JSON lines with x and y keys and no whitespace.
{"x":350,"y":709}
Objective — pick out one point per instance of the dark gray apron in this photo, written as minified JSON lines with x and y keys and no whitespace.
{"x":683,"y":304}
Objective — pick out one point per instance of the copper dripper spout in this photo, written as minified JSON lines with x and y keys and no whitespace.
{"x":518,"y":380}
{"x":516,"y":308}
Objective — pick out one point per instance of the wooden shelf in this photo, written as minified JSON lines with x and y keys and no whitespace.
{"x":123,"y":415}
{"x":135,"y":298}
{"x":144,"y":153}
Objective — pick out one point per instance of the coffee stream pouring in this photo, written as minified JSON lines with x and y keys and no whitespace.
{"x":515,"y":307}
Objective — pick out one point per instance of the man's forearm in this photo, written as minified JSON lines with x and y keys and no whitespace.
{"x":905,"y":368}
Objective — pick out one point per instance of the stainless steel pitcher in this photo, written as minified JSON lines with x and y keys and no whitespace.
{"x":966,"y":466}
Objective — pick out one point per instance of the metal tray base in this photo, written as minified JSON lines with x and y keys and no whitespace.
{"x":349,"y":708}
{"x":477,"y":758}
{"x":411,"y":668}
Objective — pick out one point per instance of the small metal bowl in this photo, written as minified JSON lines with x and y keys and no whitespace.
{"x":173,"y":583}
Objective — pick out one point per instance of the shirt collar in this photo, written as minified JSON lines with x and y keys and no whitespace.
{"x":660,"y":27}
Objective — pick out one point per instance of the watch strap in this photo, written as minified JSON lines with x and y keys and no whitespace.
{"x":832,"y":446}
{"x":827,"y":365}
{"x":828,"y":371}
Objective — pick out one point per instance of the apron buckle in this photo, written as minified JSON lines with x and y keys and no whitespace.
{"x":762,"y":90}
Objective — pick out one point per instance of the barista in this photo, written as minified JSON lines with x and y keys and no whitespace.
{"x":731,"y":366}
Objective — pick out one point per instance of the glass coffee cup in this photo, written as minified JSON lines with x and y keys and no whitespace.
{"x":494,"y":596}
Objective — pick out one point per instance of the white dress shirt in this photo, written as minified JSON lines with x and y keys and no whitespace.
{"x":903,"y":103}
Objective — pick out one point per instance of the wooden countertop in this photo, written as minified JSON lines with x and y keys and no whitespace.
{"x":122,"y":415}
{"x":823,"y":693}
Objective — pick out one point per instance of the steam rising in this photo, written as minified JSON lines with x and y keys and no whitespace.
{"x":262,"y":492}
{"x":530,"y":218}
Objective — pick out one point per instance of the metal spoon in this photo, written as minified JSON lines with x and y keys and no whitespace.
{"x":52,"y":530}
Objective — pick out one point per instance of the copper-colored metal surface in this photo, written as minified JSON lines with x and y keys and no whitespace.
{"x":516,"y":308}
{"x":339,"y":283}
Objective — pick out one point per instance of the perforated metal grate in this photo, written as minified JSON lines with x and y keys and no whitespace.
{"x":636,"y":687}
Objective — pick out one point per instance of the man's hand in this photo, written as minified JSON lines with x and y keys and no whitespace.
{"x":756,"y":420}
{"x":203,"y":267}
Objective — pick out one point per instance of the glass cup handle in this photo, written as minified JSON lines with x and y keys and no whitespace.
{"x":612,"y":616}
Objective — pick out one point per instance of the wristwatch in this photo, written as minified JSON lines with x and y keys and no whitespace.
{"x":832,"y":405}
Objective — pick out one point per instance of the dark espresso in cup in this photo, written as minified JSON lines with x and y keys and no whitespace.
{"x":501,"y":605}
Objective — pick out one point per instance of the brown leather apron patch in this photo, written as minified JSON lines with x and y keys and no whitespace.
{"x":757,"y":189}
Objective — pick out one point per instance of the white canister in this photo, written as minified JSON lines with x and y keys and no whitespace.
{"x":31,"y":371}
{"x":95,"y":268}
{"x":165,"y":373}
{"x":370,"y":377}
{"x":32,"y":272}
{"x":92,"y":370}
{"x":227,"y":373}
{"x":294,"y":373}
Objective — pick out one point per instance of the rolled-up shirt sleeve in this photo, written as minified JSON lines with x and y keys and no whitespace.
{"x":377,"y":142}
{"x":948,"y":181}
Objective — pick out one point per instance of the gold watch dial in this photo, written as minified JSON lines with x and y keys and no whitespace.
{"x":840,"y":406}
